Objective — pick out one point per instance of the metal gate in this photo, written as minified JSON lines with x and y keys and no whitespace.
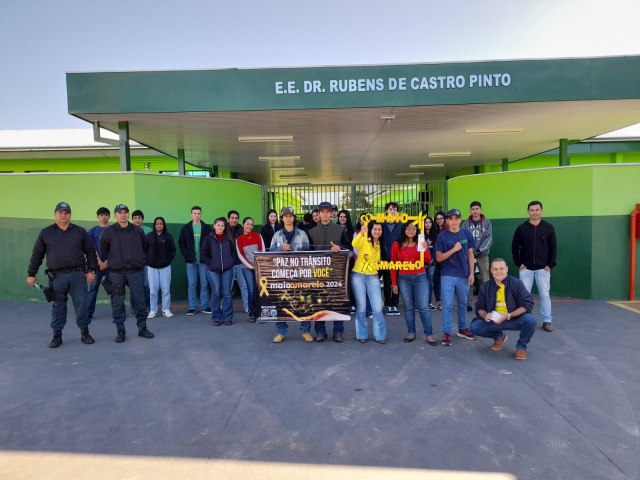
{"x":358,"y":198}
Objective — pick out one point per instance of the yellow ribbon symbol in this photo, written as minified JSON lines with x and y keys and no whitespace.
{"x":366,"y":265}
{"x":263,"y":286}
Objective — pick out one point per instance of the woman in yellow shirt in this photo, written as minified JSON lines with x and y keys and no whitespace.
{"x":365,"y":282}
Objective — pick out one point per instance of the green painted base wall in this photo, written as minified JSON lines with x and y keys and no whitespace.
{"x":589,"y":206}
{"x":27,"y":203}
{"x":572,"y":276}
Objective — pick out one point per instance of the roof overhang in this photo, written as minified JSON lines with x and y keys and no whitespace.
{"x":363,"y":123}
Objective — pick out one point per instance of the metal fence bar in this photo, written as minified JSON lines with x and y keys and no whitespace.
{"x":358,"y":198}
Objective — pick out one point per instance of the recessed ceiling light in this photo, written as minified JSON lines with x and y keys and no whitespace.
{"x":498,"y":131}
{"x":289,"y":169}
{"x":265,"y":139}
{"x":284,"y":159}
{"x":430,"y":165}
{"x":449,"y":154}
{"x":387,"y":117}
{"x":294,"y":176}
{"x":409,"y":174}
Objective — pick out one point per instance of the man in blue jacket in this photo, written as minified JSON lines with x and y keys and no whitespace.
{"x":504,"y":303}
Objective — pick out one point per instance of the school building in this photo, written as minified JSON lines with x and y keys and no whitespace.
{"x":430,"y":136}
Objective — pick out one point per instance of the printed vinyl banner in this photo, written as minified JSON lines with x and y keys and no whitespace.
{"x":302,"y":286}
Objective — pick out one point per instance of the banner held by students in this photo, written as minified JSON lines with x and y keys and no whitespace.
{"x":302,"y":286}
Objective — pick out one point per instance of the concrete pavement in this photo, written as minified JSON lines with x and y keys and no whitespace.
{"x":204,"y":402}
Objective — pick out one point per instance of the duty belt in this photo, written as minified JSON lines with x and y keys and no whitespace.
{"x":69,"y":270}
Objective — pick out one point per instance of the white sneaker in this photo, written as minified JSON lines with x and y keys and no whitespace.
{"x":167,"y":313}
{"x":152,"y":314}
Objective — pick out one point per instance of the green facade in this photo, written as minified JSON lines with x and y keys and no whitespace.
{"x":354,"y":86}
{"x":139,"y":163}
{"x":589,"y":206}
{"x":21,"y":218}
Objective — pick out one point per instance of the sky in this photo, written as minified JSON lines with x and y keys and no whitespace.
{"x":41,"y":40}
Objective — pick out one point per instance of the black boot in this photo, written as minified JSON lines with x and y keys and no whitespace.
{"x":85,"y":337}
{"x":56,"y":341}
{"x":121,"y":336}
{"x":143,"y":332}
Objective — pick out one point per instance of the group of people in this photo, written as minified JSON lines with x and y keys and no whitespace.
{"x":120,"y":255}
{"x":504,"y":302}
{"x":133,"y":255}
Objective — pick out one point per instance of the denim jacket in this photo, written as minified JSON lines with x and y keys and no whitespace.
{"x":299,"y":242}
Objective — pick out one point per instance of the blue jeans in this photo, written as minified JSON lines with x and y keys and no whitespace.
{"x":94,"y":289}
{"x":525,"y":323}
{"x":159,"y":278}
{"x":414,"y":292}
{"x":250,"y":280}
{"x":195,"y":271}
{"x":135,"y":280}
{"x":283,"y":327}
{"x":321,"y":327}
{"x":436,"y":282}
{"x":74,"y":283}
{"x":451,"y":287}
{"x":431,"y":270}
{"x":221,"y":301}
{"x":238,"y":276}
{"x":543,"y":282}
{"x":367,"y":287}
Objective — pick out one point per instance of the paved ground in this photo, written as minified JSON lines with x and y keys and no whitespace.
{"x":204,"y":402}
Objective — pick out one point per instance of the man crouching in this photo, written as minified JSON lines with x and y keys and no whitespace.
{"x":504,"y":303}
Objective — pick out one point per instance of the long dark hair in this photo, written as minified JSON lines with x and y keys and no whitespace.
{"x":164,"y":225}
{"x":444,"y":224}
{"x":348,"y":226}
{"x":383,"y":250}
{"x":432,"y":233}
{"x":403,"y":234}
{"x":269,"y":212}
{"x":226,"y":233}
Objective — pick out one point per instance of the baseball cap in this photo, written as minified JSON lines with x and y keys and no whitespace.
{"x":454,"y":212}
{"x":63,"y":206}
{"x":120,"y":206}
{"x":287,"y":211}
{"x":325,"y":206}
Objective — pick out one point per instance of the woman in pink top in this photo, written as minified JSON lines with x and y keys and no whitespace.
{"x":247,"y":244}
{"x":413,"y":284}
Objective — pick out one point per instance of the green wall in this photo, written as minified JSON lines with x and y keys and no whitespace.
{"x":552,"y":160}
{"x":28,"y":201}
{"x":157,"y":163}
{"x":589,"y":207}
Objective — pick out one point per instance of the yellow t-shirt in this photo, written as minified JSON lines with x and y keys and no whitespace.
{"x":501,"y":304}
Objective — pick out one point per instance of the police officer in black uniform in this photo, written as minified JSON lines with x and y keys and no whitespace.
{"x":71,"y":263}
{"x":123,"y":247}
